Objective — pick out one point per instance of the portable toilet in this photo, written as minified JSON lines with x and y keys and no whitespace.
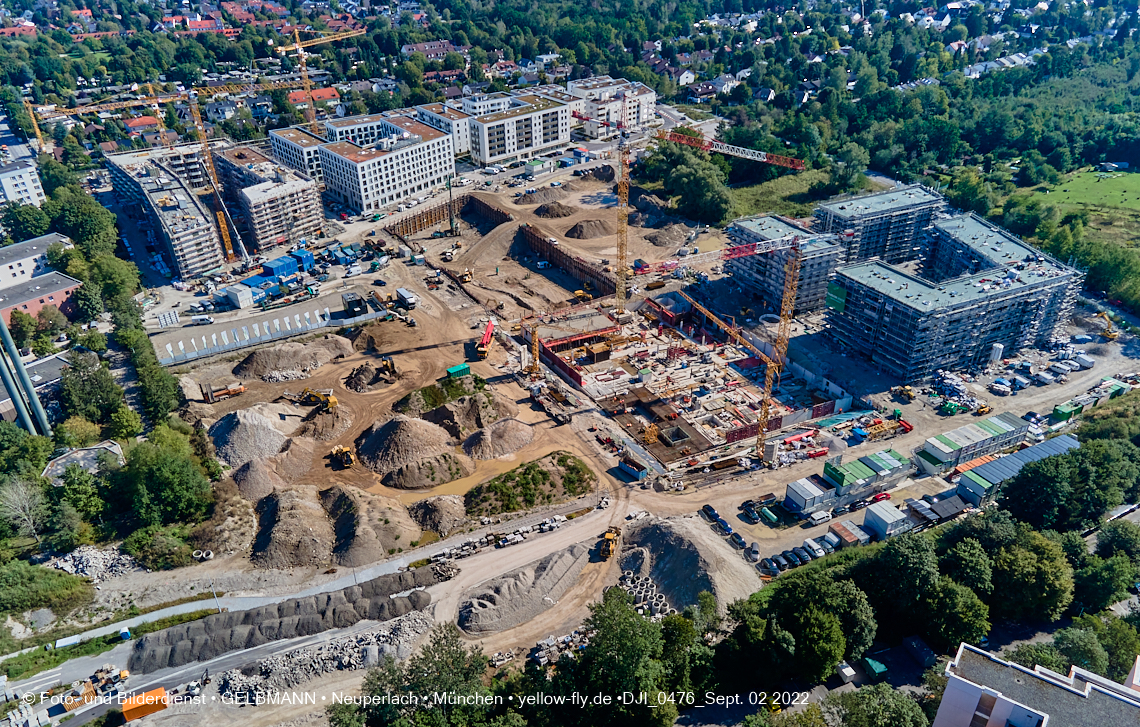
{"x":125,"y":634}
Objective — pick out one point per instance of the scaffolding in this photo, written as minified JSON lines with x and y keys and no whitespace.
{"x":888,"y":225}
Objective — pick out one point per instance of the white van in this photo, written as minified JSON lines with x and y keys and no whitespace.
{"x":201,"y":320}
{"x":813,"y":547}
{"x":819,"y":518}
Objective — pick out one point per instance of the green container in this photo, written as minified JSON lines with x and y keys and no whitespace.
{"x":458,"y":371}
{"x":769,"y":515}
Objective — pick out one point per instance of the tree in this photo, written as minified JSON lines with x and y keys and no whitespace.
{"x":50,"y":320}
{"x":92,"y":340}
{"x":163,"y":486}
{"x":1119,"y":536}
{"x":80,"y":489}
{"x":1082,"y":648}
{"x":1034,"y":579}
{"x":911,"y":565}
{"x":22,"y":504}
{"x":43,"y":346}
{"x":125,"y":423}
{"x":848,"y":167}
{"x":89,"y":303}
{"x":1118,"y":637}
{"x":1104,"y":581}
{"x":955,"y":614}
{"x":1030,"y":655}
{"x":876,"y":705}
{"x":22,"y":327}
{"x":820,"y":643}
{"x":55,"y":175}
{"x":76,"y":432}
{"x":87,"y":389}
{"x":703,"y":195}
{"x":65,"y":525}
{"x":969,"y":564}
{"x":24,"y":221}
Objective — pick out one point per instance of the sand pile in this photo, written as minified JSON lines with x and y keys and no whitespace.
{"x":366,"y":526}
{"x":442,"y":514}
{"x":684,"y":557}
{"x":546,"y":194}
{"x":589,"y":229}
{"x":256,"y":478}
{"x":221,"y":633}
{"x":522,"y":595}
{"x":669,"y":235}
{"x":469,"y":413}
{"x":554,"y":210}
{"x":244,"y":435}
{"x":499,"y":440}
{"x":372,"y":337}
{"x":295,"y":459}
{"x":291,"y":361}
{"x":411,"y":453}
{"x":292,"y":530}
{"x":325,"y":426}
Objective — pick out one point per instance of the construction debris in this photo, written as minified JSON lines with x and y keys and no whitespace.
{"x":282,"y":672}
{"x":98,"y":564}
{"x":521,"y":595}
{"x":647,"y":600}
{"x":442,"y":515}
{"x":292,"y":361}
{"x":501,"y":439}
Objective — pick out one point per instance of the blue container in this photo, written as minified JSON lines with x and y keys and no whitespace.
{"x":282,"y":267}
{"x":304,"y":259}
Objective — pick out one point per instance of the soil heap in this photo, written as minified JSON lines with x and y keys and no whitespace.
{"x":366,"y":526}
{"x":499,"y":440}
{"x":468,"y":413}
{"x":522,"y":595}
{"x":603,"y":173}
{"x":244,"y":435}
{"x":545,"y":194}
{"x":325,"y":425}
{"x":442,"y":514}
{"x":589,"y":229}
{"x":292,"y":530}
{"x":554,"y":210}
{"x":257,"y":478}
{"x":670,"y":235}
{"x":291,"y":361}
{"x":411,"y":453}
{"x":649,"y":203}
{"x":361,"y":378}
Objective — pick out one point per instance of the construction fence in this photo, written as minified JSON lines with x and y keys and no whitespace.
{"x":432,"y":216}
{"x":547,"y":246}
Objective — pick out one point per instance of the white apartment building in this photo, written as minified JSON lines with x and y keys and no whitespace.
{"x":576,"y":104}
{"x":297,"y":148}
{"x":450,"y":121}
{"x":25,"y":260}
{"x":605,"y":99}
{"x":530,"y":126}
{"x":413,"y":157}
{"x":273,"y":205}
{"x":487,"y":103}
{"x":20,"y":183}
{"x":360,"y":130}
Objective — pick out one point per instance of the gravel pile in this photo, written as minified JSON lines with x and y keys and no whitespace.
{"x":442,"y":514}
{"x":98,"y":564}
{"x":293,"y":530}
{"x":282,"y":672}
{"x":291,"y":361}
{"x":669,"y":235}
{"x":324,"y":425}
{"x":366,"y":526}
{"x":522,"y":595}
{"x":499,"y":440}
{"x":256,"y":478}
{"x":546,"y":194}
{"x":589,"y":229}
{"x":361,"y":378}
{"x":468,"y":413}
{"x":554,"y":210}
{"x":244,"y":435}
{"x":401,"y":446}
{"x":221,"y":633}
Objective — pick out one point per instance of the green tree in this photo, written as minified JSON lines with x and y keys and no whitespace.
{"x":1104,"y":581}
{"x":125,"y":423}
{"x":92,"y":340}
{"x":1034,"y":579}
{"x":42,"y":346}
{"x":1030,"y":655}
{"x":911,"y":565}
{"x":87,"y":389}
{"x":65,"y":528}
{"x":1080,"y":647}
{"x":24,"y":221}
{"x":55,"y":175}
{"x":88,"y":303}
{"x":1119,"y":536}
{"x":955,"y":614}
{"x":703,"y":196}
{"x":875,"y":705}
{"x":969,"y":564}
{"x":164,"y":486}
{"x":80,"y":489}
{"x":22,"y":327}
{"x":820,"y":643}
{"x":76,"y":432}
{"x":50,"y":320}
{"x":160,"y":391}
{"x":847,"y":169}
{"x":1118,"y":637}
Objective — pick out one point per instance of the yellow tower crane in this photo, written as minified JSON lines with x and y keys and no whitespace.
{"x":35,"y":125}
{"x":299,"y":46}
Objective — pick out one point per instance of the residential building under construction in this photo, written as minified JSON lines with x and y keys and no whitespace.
{"x":889,"y":225}
{"x":272,"y":205}
{"x":989,"y":294}
{"x":764,"y":274}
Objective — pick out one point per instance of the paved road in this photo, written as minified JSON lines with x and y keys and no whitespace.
{"x":17,"y":148}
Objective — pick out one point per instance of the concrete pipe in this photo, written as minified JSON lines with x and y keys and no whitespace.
{"x":660,"y":598}
{"x":197,"y":555}
{"x":207,"y":555}
{"x":627,"y":575}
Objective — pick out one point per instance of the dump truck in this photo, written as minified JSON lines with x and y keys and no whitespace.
{"x":610,"y":542}
{"x":213,"y":396}
{"x":343,"y":456}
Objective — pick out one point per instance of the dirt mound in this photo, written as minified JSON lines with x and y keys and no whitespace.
{"x":415,"y":403}
{"x":256,"y":478}
{"x":411,"y":453}
{"x":684,"y":557}
{"x":325,"y":426}
{"x":649,"y":203}
{"x":244,"y":435}
{"x":295,"y":459}
{"x":361,"y":378}
{"x":589,"y":229}
{"x":669,"y":235}
{"x":498,"y":440}
{"x":554,"y":210}
{"x":469,"y":413}
{"x":522,"y":595}
{"x":372,"y":337}
{"x":292,"y":530}
{"x":290,"y":361}
{"x":366,"y":526}
{"x":603,"y":173}
{"x":545,"y":194}
{"x":441,"y":515}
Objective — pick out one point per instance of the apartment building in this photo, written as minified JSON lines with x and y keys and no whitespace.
{"x":184,"y":227}
{"x":889,"y":225}
{"x":25,"y":260}
{"x":613,"y":102}
{"x":530,"y":126}
{"x":554,"y":92}
{"x":983,"y":690}
{"x":297,"y":148}
{"x":360,"y":130}
{"x":273,"y":205}
{"x":765,"y":274}
{"x":486,"y":103}
{"x":412,"y":158}
{"x":20,"y":183}
{"x":449,"y":121}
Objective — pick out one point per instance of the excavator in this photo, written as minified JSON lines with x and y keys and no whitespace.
{"x":1109,"y":331}
{"x":342,"y":456}
{"x":609,"y":542}
{"x":905,"y":392}
{"x":311,"y":397}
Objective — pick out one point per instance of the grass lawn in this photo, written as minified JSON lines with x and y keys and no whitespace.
{"x":696,"y":113}
{"x":1111,"y":200}
{"x":788,"y":195}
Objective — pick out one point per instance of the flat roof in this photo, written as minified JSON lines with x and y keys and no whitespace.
{"x":879,"y":202}
{"x":31,"y":248}
{"x":768,"y":227}
{"x":350,"y":121}
{"x":997,"y":245}
{"x":352,"y":152}
{"x":269,"y":190}
{"x":532,"y":104}
{"x":412,"y":126}
{"x":885,"y":512}
{"x":42,"y":372}
{"x":300,"y":137}
{"x":37,"y":287}
{"x":242,"y":155}
{"x":446,"y":111}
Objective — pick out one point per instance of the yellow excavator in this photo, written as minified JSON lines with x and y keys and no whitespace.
{"x":311,"y":397}
{"x":1109,"y":331}
{"x":343,"y":456}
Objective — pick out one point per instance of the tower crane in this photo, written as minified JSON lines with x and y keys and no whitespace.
{"x":299,"y":46}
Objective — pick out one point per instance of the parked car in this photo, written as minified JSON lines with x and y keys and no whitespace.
{"x":724,"y":526}
{"x":737,"y":540}
{"x":746,"y":503}
{"x":380,"y":282}
{"x":780,"y":562}
{"x":1031,"y":416}
{"x":794,"y":560}
{"x":859,"y":505}
{"x":753,"y":552}
{"x":710,"y":512}
{"x":841,"y":510}
{"x":827,"y":547}
{"x":803,"y":554}
{"x":749,"y":513}
{"x":881,"y":496}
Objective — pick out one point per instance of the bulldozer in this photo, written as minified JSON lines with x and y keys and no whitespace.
{"x":465,"y":276}
{"x":311,"y":397}
{"x":1109,"y":332}
{"x":609,"y":542}
{"x":213,"y":396}
{"x":905,"y":392}
{"x":342,"y":456}
{"x":983,"y":410}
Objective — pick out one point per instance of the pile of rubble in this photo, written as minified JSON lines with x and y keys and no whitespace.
{"x":550,"y":650}
{"x":281,"y":672}
{"x":98,"y":564}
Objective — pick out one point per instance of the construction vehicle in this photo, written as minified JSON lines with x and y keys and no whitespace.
{"x":583,"y":296}
{"x":311,"y":397}
{"x":905,"y":392}
{"x":465,"y":276}
{"x":213,"y":396}
{"x":1109,"y":331}
{"x":484,"y":346}
{"x":609,"y":542}
{"x":342,"y":456}
{"x":983,"y":410}
{"x":387,"y":365}
{"x":951,"y":408}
